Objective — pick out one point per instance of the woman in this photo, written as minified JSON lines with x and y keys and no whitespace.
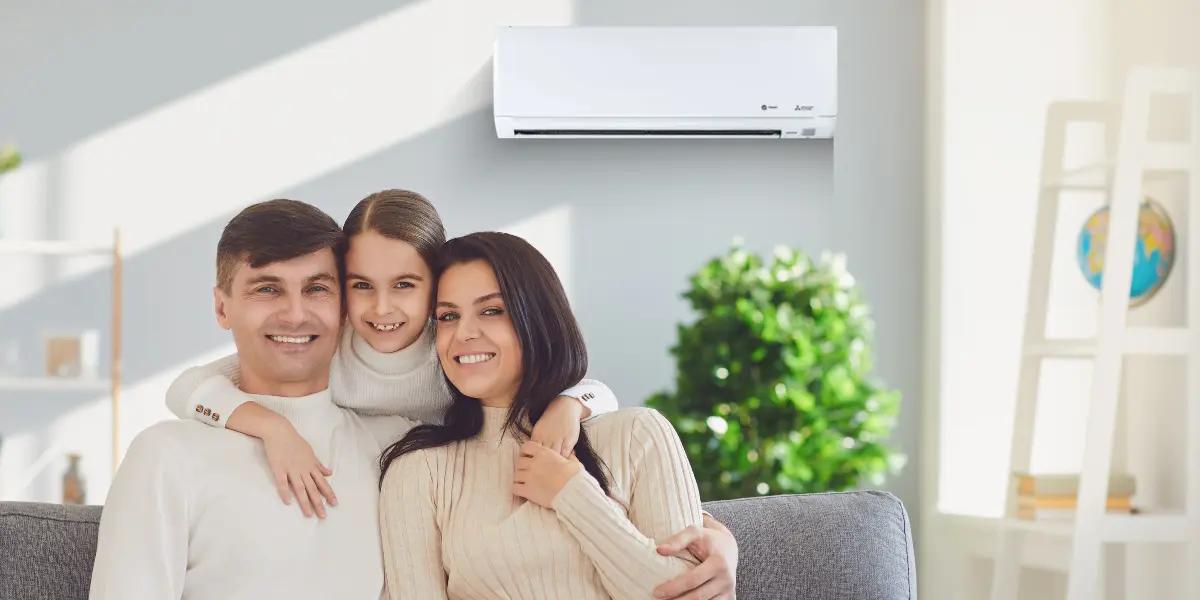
{"x":473,"y":507}
{"x":385,"y":368}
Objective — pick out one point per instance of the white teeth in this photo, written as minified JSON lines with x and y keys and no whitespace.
{"x":471,"y":359}
{"x":385,"y":327}
{"x":284,"y":339}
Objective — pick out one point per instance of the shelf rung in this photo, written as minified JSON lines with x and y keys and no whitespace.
{"x":1145,"y":527}
{"x":54,"y":247}
{"x":1169,"y":156}
{"x":1097,"y":177}
{"x":1057,"y":527}
{"x":1062,"y":348}
{"x":1094,"y":177}
{"x":1169,"y":341}
{"x":55,"y":384}
{"x":1158,"y":340}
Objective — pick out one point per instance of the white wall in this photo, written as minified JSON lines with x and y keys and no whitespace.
{"x":165,"y":118}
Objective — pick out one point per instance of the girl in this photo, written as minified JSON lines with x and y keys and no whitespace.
{"x":385,"y":368}
{"x":475,"y":508}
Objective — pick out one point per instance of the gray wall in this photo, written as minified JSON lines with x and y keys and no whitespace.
{"x":644,"y":214}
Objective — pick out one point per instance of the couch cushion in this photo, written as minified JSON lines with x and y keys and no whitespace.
{"x":46,"y":550}
{"x":821,"y":546}
{"x":843,"y":546}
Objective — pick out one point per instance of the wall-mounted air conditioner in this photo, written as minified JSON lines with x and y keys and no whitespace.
{"x":677,"y":82}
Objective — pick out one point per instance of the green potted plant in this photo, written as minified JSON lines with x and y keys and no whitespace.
{"x":9,"y":158}
{"x":773,"y":389}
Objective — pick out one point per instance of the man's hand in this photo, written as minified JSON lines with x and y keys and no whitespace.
{"x":297,"y":471}
{"x":558,"y":429}
{"x":715,"y":576}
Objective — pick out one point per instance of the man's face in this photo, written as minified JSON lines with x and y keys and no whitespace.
{"x":285,"y":319}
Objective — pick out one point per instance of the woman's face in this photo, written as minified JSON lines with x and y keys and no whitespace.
{"x":387,"y":291}
{"x":476,"y":342}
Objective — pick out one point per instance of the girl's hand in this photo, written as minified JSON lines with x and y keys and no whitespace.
{"x":297,"y":471}
{"x":542,"y":473}
{"x":558,"y":429}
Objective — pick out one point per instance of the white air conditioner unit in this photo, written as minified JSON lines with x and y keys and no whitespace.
{"x":672,"y":82}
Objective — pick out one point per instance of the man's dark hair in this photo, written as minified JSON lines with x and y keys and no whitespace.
{"x":273,"y":231}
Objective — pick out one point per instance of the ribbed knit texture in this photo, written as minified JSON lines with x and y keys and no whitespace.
{"x":371,"y":382}
{"x":452,"y":528}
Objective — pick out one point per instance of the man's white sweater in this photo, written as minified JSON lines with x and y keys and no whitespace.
{"x":191,"y":514}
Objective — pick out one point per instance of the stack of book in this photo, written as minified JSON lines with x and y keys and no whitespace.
{"x":1056,"y":496}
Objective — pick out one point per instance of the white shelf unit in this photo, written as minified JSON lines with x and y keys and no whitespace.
{"x":1122,"y":179}
{"x":111,"y":385}
{"x":55,"y":384}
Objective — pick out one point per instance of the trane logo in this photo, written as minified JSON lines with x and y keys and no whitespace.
{"x":798,"y":108}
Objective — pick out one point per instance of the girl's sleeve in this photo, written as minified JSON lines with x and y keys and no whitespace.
{"x":207,"y":393}
{"x":594,"y":395}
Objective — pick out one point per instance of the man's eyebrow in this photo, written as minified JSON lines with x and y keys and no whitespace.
{"x":264,"y":279}
{"x":322,"y":276}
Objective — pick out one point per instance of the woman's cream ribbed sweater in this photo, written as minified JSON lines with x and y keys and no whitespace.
{"x":452,"y":528}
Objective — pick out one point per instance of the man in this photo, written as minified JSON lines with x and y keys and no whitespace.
{"x":188,"y":514}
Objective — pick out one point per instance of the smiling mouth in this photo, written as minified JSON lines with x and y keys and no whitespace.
{"x":473,"y":359}
{"x":384,"y":327}
{"x":293,"y":339}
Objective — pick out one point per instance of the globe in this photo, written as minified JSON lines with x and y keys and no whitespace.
{"x":1153,"y":254}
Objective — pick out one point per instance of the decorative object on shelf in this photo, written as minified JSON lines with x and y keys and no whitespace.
{"x":87,"y":360}
{"x":74,"y":490}
{"x":1043,"y":497}
{"x":773,"y":389}
{"x":1153,"y":255}
{"x":73,"y":355}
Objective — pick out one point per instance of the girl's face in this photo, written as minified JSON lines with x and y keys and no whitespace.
{"x":476,"y":342}
{"x":387,"y":291}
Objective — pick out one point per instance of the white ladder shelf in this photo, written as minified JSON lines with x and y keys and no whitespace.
{"x":1123,"y":179}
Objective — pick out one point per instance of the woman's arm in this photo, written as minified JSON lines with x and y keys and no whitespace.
{"x":663,"y":499}
{"x":412,"y":541}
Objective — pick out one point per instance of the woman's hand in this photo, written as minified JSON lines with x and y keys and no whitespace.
{"x":558,"y":429}
{"x":542,"y":473}
{"x":297,"y":471}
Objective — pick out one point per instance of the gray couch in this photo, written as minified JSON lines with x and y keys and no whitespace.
{"x":813,"y":547}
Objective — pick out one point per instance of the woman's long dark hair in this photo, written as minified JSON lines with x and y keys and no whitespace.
{"x":553,"y":355}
